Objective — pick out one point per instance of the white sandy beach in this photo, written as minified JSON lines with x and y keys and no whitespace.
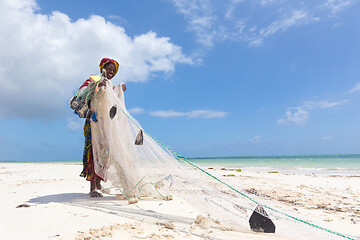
{"x":58,"y":205}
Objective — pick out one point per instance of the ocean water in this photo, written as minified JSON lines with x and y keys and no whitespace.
{"x":340,"y":164}
{"x":348,"y":164}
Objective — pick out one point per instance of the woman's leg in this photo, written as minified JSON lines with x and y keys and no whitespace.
{"x":97,"y":182}
{"x":94,"y":187}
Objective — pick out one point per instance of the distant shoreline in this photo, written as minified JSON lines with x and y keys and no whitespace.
{"x":304,"y":156}
{"x":284,"y":156}
{"x":41,"y":161}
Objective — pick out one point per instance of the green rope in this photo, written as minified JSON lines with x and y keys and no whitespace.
{"x":88,"y":92}
{"x":285,"y":214}
{"x":125,"y":194}
{"x":134,"y":186}
{"x":154,"y":187}
{"x":232,"y":188}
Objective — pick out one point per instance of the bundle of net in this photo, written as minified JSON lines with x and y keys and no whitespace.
{"x":149,"y":170}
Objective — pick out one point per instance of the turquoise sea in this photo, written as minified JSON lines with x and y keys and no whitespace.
{"x":337,"y":164}
{"x":348,"y":164}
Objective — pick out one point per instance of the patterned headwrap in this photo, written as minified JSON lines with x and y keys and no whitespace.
{"x":105,"y":61}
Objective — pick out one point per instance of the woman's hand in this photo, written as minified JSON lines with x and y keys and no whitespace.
{"x":124,"y":87}
{"x":103,"y":83}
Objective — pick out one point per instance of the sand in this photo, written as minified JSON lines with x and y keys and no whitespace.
{"x":50,"y":201}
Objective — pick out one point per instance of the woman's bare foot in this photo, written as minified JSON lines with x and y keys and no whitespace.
{"x":95,"y":193}
{"x":95,"y":188}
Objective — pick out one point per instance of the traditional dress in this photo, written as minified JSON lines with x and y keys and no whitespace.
{"x":88,"y":171}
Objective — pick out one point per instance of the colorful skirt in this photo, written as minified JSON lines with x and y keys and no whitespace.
{"x":88,"y":171}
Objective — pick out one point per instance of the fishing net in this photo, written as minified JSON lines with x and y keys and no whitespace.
{"x":137,"y":165}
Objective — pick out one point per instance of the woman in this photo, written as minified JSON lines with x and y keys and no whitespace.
{"x":111,"y":67}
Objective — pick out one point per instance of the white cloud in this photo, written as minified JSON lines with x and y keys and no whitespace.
{"x":299,"y":115}
{"x":206,"y":114}
{"x":327,"y":138}
{"x":45,"y":58}
{"x":265,"y":2}
{"x":200,"y":18}
{"x":335,"y":6}
{"x":311,"y":105}
{"x":356,"y":88}
{"x":192,"y":114}
{"x":229,"y":13}
{"x":255,"y":140}
{"x":75,"y":123}
{"x":215,"y":21}
{"x":167,"y":114}
{"x":136,"y":110}
{"x":291,"y":19}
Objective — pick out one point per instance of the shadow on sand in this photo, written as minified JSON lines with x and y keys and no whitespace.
{"x":68,"y":198}
{"x":109,"y":205}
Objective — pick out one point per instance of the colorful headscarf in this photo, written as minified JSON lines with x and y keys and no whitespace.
{"x":105,"y":61}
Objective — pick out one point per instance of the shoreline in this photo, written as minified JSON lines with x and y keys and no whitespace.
{"x":274,"y":170}
{"x":320,"y":164}
{"x":327,"y":171}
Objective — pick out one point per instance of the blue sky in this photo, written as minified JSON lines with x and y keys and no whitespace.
{"x":206,"y":78}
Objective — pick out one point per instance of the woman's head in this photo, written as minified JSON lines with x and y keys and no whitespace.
{"x":110,"y":65}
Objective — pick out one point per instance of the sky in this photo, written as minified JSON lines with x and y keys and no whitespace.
{"x":207,"y":78}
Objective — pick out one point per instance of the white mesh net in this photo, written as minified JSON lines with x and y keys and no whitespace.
{"x":150,"y":170}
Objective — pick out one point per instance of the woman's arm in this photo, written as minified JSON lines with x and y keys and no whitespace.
{"x":85,"y":84}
